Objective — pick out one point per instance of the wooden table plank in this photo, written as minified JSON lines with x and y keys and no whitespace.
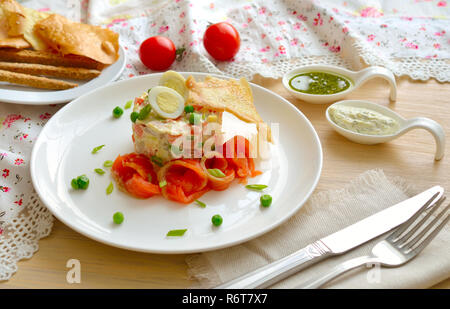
{"x":411,"y":157}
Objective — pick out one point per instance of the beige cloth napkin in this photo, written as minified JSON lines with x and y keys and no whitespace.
{"x":325,"y":213}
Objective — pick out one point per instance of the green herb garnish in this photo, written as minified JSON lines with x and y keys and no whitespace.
{"x":216,"y":172}
{"x":195,"y":118}
{"x":200,"y":203}
{"x":128,"y":104}
{"x":96,"y":149}
{"x":110,"y":188}
{"x":162,"y":184}
{"x":143,"y":113}
{"x":176,"y":232}
{"x":108,"y":163}
{"x":157,"y":160}
{"x":256,"y":187}
{"x":99,"y":171}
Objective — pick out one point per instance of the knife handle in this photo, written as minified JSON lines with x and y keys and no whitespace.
{"x":278,"y":270}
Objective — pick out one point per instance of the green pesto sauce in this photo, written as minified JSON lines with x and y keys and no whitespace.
{"x":319,"y":83}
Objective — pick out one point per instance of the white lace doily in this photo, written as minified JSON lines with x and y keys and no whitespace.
{"x":409,"y":39}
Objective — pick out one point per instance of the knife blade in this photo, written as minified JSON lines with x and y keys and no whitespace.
{"x":336,"y":243}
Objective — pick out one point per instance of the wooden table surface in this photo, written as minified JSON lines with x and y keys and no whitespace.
{"x":410,"y":156}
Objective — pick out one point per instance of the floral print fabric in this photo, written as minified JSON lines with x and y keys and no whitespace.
{"x":409,"y":37}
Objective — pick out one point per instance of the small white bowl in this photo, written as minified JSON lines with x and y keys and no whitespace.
{"x":357,"y":78}
{"x":405,"y":125}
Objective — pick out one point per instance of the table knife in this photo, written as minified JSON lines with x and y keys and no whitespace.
{"x":336,"y":243}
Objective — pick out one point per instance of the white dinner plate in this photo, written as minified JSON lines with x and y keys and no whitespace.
{"x":18,"y":94}
{"x":63,"y":151}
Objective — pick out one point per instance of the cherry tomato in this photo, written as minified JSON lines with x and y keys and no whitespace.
{"x":157,"y":53}
{"x":222,"y":41}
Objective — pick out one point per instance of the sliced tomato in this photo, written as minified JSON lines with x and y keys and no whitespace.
{"x":185,"y":180}
{"x":134,"y":173}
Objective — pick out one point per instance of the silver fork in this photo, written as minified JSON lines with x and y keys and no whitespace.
{"x":397,"y":249}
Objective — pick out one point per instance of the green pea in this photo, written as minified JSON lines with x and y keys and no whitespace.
{"x":266,"y":200}
{"x":189,"y":109}
{"x":195,"y":118}
{"x":216,"y":220}
{"x":134,"y":116}
{"x":118,"y":217}
{"x":117,"y":112}
{"x":143,"y":113}
{"x":74,"y":184}
{"x":81,"y":182}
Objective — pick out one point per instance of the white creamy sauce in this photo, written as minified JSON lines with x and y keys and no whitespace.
{"x":363,"y":120}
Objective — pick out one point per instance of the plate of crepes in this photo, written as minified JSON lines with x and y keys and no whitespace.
{"x":46,"y":58}
{"x":176,"y":162}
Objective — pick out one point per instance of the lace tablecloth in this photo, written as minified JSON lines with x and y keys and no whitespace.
{"x":408,"y":37}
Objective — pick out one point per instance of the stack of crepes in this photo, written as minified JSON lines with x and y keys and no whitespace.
{"x":34,"y":43}
{"x":224,"y":156}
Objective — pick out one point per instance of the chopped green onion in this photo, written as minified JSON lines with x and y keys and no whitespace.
{"x":110,"y":188}
{"x":118,"y":217}
{"x":143,"y":113}
{"x":216,"y":172}
{"x":195,"y":118}
{"x":266,"y":200}
{"x":256,"y":187}
{"x":128,"y":104}
{"x":162,"y":184}
{"x":81,"y":182}
{"x":216,"y":220}
{"x":200,"y":203}
{"x":157,"y":160}
{"x":99,"y":171}
{"x":108,"y":163}
{"x":134,"y":116}
{"x":189,"y":109}
{"x":176,"y":232}
{"x":117,"y":112}
{"x":96,"y":149}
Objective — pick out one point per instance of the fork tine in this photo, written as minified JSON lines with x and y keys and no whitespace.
{"x":431,"y":236}
{"x":417,"y":225}
{"x":403,"y":227}
{"x":419,"y":236}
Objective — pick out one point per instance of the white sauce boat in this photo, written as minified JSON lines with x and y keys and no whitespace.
{"x":357,"y":78}
{"x":405,"y":125}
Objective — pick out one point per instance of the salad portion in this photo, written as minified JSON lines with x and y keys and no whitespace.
{"x":191,"y":137}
